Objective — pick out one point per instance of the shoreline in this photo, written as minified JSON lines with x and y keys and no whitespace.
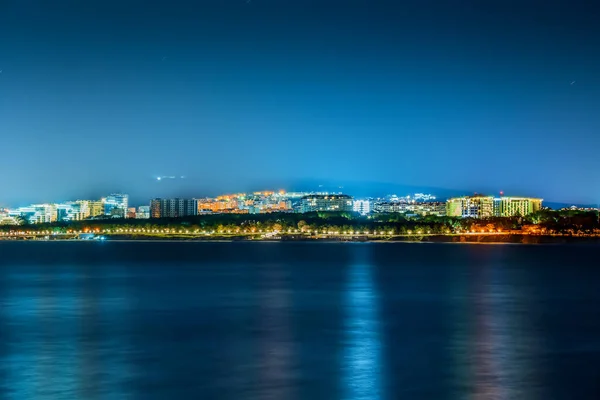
{"x":452,"y":239}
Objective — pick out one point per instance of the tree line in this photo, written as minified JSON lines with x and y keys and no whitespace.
{"x":567,"y":222}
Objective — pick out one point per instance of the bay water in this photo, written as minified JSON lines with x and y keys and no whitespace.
{"x":178,"y":320}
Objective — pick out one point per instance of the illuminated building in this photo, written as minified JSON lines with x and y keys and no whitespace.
{"x":115,"y":205}
{"x":231,"y":197}
{"x":265,"y":202}
{"x":143,"y":212}
{"x":96,"y":207}
{"x":404,"y":199}
{"x":470,"y":207}
{"x":330,"y":202}
{"x":513,"y":206}
{"x":241,"y":203}
{"x":6,"y":218}
{"x":363,"y":207}
{"x":424,"y":197}
{"x":282,"y":205}
{"x":297,"y":195}
{"x":391,"y":206}
{"x":83,"y":209}
{"x":44,"y":213}
{"x":488,"y":206}
{"x":410,"y":207}
{"x":427,"y":208}
{"x":36,"y":213}
{"x":131,"y":212}
{"x":173,"y":208}
{"x":384,"y":207}
{"x":576,"y":208}
{"x":223,"y":204}
{"x":72,"y":211}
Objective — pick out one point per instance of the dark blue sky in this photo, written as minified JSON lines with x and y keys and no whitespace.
{"x":104,"y":96}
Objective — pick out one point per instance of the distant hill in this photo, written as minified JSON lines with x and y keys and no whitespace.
{"x":558,"y":206}
{"x":370,"y":189}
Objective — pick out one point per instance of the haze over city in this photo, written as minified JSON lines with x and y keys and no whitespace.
{"x":236,"y":95}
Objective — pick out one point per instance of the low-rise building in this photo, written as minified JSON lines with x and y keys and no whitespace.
{"x":219,"y":205}
{"x":6,"y":218}
{"x":394,"y":206}
{"x":436,"y":208}
{"x":329,"y":202}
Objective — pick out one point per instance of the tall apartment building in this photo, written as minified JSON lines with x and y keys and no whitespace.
{"x":143,"y":212}
{"x":96,"y":207}
{"x":470,"y":207}
{"x":488,"y":206}
{"x":73,"y":210}
{"x":363,"y":207}
{"x":173,"y":208}
{"x":512,"y":206}
{"x":116,"y":204}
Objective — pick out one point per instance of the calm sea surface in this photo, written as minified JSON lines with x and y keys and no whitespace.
{"x":310,"y":321}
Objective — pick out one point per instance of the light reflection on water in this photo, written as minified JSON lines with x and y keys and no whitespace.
{"x":495,"y":344}
{"x":505,"y":348}
{"x":295,"y":321}
{"x":362,"y":362}
{"x":276,"y":346}
{"x":55,"y":345}
{"x":41,"y":355}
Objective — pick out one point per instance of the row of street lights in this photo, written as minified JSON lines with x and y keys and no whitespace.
{"x":197,"y":232}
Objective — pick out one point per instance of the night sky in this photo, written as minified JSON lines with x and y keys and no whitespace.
{"x":103,"y":96}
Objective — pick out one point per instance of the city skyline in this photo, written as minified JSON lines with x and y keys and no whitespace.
{"x":109,"y":96}
{"x":118,"y":206}
{"x":428,"y":196}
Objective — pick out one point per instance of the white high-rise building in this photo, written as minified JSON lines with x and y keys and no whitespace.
{"x":115,"y":205}
{"x":363,"y":207}
{"x":36,"y":213}
{"x":73,"y":210}
{"x":143,"y":212}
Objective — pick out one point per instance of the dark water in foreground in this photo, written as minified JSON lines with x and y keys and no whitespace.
{"x":298,"y":321}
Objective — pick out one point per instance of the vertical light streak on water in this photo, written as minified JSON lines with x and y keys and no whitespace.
{"x":22,"y":335}
{"x":362,"y":362}
{"x":63,"y":349}
{"x":42,"y":316}
{"x":488,"y":385}
{"x":276,"y":346}
{"x":502,"y":361}
{"x":88,"y":360}
{"x":43,"y":346}
{"x":459,"y":317}
{"x":515,"y":341}
{"x":113,"y":347}
{"x":52,"y":351}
